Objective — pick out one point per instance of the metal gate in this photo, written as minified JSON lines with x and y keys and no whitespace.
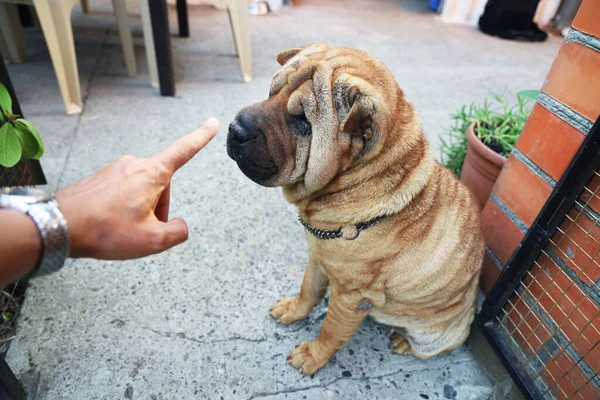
{"x":543,"y":314}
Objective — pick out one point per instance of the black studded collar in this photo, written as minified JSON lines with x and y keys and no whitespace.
{"x":336,"y":234}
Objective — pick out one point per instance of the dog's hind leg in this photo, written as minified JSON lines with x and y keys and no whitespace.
{"x":314,"y":286}
{"x":398,"y":342}
{"x":428,"y":342}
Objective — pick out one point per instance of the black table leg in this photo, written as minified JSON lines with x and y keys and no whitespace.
{"x":182,"y":18}
{"x":26,"y":172}
{"x":162,"y":46}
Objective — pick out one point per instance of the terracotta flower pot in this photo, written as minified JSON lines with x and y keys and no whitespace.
{"x":481,"y":167}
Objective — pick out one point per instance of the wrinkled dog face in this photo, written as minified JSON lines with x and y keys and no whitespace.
{"x":321,"y":116}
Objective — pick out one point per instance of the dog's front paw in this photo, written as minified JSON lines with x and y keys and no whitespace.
{"x":287,"y":310}
{"x":307,"y":359}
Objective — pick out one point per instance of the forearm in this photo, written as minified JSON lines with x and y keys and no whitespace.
{"x":20,"y":246}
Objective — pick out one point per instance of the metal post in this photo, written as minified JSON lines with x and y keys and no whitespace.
{"x":162,"y":44}
{"x":182,"y":18}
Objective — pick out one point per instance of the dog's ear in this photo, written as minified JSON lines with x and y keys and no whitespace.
{"x":351,"y":124}
{"x":358,"y":119}
{"x":286,"y":55}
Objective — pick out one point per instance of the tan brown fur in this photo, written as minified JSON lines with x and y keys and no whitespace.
{"x":367,"y":157}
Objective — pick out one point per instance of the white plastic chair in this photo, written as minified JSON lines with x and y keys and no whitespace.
{"x":240,"y":26}
{"x":55,"y":20}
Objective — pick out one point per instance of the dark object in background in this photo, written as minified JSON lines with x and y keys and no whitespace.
{"x":25,"y":15}
{"x":511,"y":19}
{"x":566,"y":14}
{"x":435,"y":4}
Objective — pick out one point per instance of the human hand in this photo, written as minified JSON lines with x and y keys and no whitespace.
{"x":121,"y":212}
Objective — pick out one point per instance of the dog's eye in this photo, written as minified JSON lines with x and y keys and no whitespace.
{"x":300,"y":124}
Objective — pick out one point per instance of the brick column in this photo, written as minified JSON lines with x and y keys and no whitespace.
{"x":562,"y":116}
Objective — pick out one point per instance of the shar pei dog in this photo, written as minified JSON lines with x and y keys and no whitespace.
{"x":391,"y":232}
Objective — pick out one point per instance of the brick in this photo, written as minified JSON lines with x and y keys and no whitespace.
{"x":549,"y":289}
{"x":588,"y":347}
{"x":577,"y":243}
{"x":545,"y":286}
{"x":489,"y":274}
{"x":567,"y":379}
{"x":521,"y":190}
{"x":501,"y":235}
{"x":525,"y":326}
{"x":589,"y":392}
{"x":549,"y":141}
{"x":554,"y":372}
{"x":573,"y":79}
{"x":574,"y":313}
{"x":587,"y":18}
{"x":591,"y":195}
{"x":572,"y":382}
{"x":571,"y":312}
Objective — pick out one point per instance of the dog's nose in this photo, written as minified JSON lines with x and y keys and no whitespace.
{"x":244,"y":127}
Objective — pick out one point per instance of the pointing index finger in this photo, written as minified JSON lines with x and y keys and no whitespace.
{"x":178,"y":153}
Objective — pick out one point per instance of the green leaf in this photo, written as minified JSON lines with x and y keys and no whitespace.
{"x":36,"y":134}
{"x":10,"y":146}
{"x":529,"y":94}
{"x":7,"y":316}
{"x":5,"y":100}
{"x":29,"y":143}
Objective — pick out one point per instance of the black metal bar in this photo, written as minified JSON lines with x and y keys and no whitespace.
{"x":10,"y":387}
{"x":32,"y":167}
{"x":182,"y":18}
{"x":162,"y":46}
{"x":578,"y":174}
{"x":25,"y":15}
{"x":511,"y":363}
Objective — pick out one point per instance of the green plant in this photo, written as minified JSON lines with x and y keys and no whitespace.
{"x":18,"y":137}
{"x":497,"y":124}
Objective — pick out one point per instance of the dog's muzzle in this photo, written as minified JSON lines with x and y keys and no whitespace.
{"x":246,"y":145}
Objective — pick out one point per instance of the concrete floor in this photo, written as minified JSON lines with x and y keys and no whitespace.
{"x":192,"y":322}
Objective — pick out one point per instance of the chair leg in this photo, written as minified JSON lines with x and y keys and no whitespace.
{"x":85,"y":6}
{"x":13,"y":46}
{"x":120,"y":10}
{"x":162,"y":46}
{"x":241,"y":31}
{"x":149,"y":43}
{"x":232,"y":31}
{"x":34,"y":16}
{"x":182,"y":18}
{"x":55,"y":20}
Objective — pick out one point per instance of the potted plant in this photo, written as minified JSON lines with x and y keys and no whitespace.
{"x":482,"y":137}
{"x":19,"y":139}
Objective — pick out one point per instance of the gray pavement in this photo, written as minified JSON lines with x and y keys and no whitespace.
{"x":192,"y":322}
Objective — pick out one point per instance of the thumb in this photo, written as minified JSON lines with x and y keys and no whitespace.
{"x":170,"y":234}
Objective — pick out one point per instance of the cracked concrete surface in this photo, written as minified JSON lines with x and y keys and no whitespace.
{"x":192,"y":322}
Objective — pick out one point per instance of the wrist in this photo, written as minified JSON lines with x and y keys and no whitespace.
{"x":52,"y":231}
{"x":21,"y":245}
{"x":79,"y":241}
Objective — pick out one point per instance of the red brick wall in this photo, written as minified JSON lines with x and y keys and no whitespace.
{"x":554,"y":315}
{"x":562,"y":115}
